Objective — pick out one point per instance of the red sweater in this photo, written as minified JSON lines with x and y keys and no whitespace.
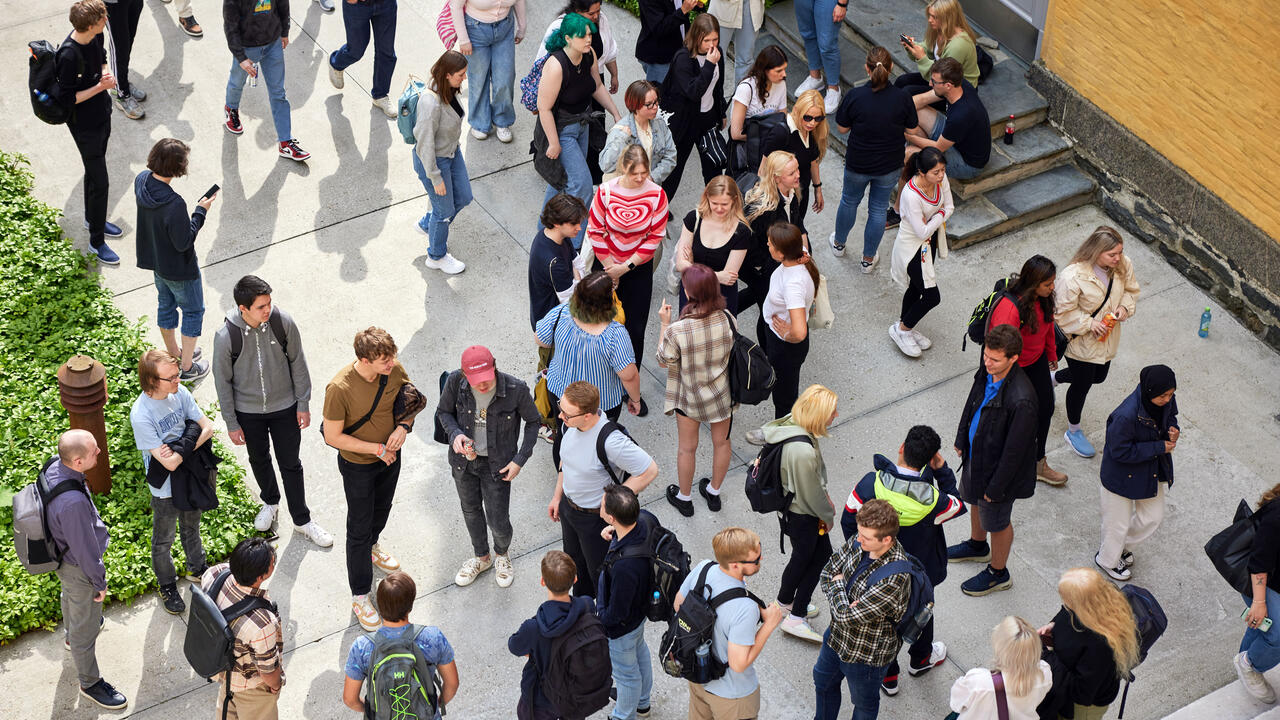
{"x":624,"y":222}
{"x":1033,"y":344}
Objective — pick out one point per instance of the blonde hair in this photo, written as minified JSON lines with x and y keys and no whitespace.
{"x":722,"y":185}
{"x":1103,"y":239}
{"x":1017,"y":647}
{"x":813,"y":410}
{"x":632,"y":156}
{"x":812,"y":100}
{"x":763,"y":197}
{"x":149,"y":367}
{"x":1100,"y":607}
{"x":1270,"y":495}
{"x":734,"y":544}
{"x":950,"y":21}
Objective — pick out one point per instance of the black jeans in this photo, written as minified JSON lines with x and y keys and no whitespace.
{"x":786,"y":359}
{"x":580,"y":536}
{"x":1081,"y":376}
{"x":685,"y":146}
{"x":484,"y":498}
{"x":917,"y":301}
{"x":370,"y":489}
{"x":122,"y":26}
{"x":809,"y":554}
{"x":919,"y":652}
{"x":1038,"y":373}
{"x":92,"y":144}
{"x":281,"y":430}
{"x":635,"y":293}
{"x":756,"y":280}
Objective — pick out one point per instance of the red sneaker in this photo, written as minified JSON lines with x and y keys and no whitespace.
{"x":233,"y":120}
{"x":292,"y":150}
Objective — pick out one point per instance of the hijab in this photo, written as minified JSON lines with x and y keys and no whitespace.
{"x":1154,"y":381}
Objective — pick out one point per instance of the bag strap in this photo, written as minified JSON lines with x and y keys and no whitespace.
{"x":880,"y":574}
{"x":276,"y":321}
{"x":382,"y":386}
{"x":1110,"y":281}
{"x":609,"y":428}
{"x":1002,"y":700}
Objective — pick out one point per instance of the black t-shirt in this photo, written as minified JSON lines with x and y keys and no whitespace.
{"x":1265,"y":556}
{"x":969,"y":128}
{"x":804,"y":155}
{"x":876,"y":120}
{"x":550,"y":272}
{"x":576,"y":83}
{"x":716,"y":258}
{"x":79,"y":67}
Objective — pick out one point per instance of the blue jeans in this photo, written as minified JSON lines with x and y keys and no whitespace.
{"x":1263,"y":647}
{"x":632,"y":673}
{"x":655,"y":72}
{"x":864,"y":685}
{"x":491,"y":73}
{"x":362,"y":19}
{"x":821,"y":37}
{"x":956,"y":166}
{"x":744,"y":44}
{"x":573,"y":156}
{"x":270,"y":60}
{"x":185,"y":294}
{"x":444,"y":208}
{"x":855,"y":184}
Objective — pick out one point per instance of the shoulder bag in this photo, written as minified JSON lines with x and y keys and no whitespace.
{"x":377,"y":398}
{"x":1062,"y":340}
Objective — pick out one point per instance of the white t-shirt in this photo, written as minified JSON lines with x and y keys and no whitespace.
{"x":709,"y":97}
{"x":584,"y":477}
{"x":974,"y":696}
{"x":746,"y":94}
{"x":789,"y":287}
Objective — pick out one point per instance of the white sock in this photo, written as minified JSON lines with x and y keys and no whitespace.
{"x":712,"y":489}
{"x":683,"y":496}
{"x":1073,"y":427}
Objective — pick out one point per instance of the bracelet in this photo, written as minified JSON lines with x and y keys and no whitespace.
{"x":382,"y":449}
{"x":1255,"y":602}
{"x":817,"y":185}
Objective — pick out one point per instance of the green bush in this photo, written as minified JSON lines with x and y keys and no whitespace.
{"x":52,"y":307}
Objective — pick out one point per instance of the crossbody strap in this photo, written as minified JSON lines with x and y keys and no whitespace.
{"x":1110,"y":281}
{"x":382,"y":386}
{"x":1002,"y":701}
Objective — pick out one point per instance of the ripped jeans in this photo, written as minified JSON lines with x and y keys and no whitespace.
{"x":444,"y":208}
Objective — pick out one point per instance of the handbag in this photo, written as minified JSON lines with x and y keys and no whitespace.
{"x":1062,"y":340}
{"x":541,"y":394}
{"x":712,"y":147}
{"x":1229,"y":550}
{"x":444,"y":27}
{"x":821,"y":316}
{"x":751,"y":375}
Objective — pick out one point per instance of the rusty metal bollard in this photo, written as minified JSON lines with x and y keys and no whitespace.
{"x":82,"y":388}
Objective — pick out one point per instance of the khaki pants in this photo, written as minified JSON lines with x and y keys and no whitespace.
{"x":1090,"y":712}
{"x":705,"y":706}
{"x":256,"y":703}
{"x":1125,"y":523}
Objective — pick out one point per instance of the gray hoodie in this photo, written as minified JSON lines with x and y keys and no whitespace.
{"x":263,"y":380}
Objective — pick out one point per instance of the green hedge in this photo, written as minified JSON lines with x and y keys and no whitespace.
{"x":52,"y":307}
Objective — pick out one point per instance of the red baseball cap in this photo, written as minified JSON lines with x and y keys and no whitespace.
{"x":477,"y":364}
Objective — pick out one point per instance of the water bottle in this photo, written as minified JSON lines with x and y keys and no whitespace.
{"x":702,"y":662}
{"x":1008,"y":131}
{"x":257,"y":69}
{"x":43,"y":97}
{"x":1205,"y":317}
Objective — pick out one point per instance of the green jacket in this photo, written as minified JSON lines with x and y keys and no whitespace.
{"x":962,"y":49}
{"x":803,"y":471}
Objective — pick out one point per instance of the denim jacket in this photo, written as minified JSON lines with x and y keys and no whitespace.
{"x":511,"y":403}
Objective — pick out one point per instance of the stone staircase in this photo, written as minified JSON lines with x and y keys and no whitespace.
{"x":1030,"y":180}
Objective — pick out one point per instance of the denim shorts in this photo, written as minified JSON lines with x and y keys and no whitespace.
{"x":956,"y":166}
{"x":185,"y":294}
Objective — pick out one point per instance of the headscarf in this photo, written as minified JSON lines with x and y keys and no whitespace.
{"x":1154,"y":381}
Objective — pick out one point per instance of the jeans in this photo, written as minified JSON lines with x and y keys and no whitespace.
{"x":165,"y":519}
{"x":864,"y":684}
{"x":84,"y":621}
{"x":655,"y":72}
{"x":122,"y":27}
{"x":281,"y":429}
{"x":1081,"y":376}
{"x":918,"y":300}
{"x":370,"y":489}
{"x":809,"y":554}
{"x":632,"y":673}
{"x":580,"y":539}
{"x":786,"y":359}
{"x":821,"y":37}
{"x":855,"y":184}
{"x":744,"y":44}
{"x":1263,"y":647}
{"x":362,"y":19}
{"x":444,"y":208}
{"x":491,"y":73}
{"x":92,"y":144}
{"x":270,"y":59}
{"x":484,"y":497}
{"x":919,"y":652}
{"x":573,"y":156}
{"x":185,"y":294}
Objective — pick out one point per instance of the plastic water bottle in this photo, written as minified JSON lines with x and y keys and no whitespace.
{"x":1205,"y":317}
{"x":655,"y":603}
{"x":43,"y":97}
{"x":702,"y":662}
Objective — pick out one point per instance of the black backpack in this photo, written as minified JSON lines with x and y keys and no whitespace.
{"x":687,"y":649}
{"x":606,"y":430}
{"x":579,"y":673}
{"x":751,"y":376}
{"x":764,"y":477}
{"x":210,"y":643}
{"x":980,"y":318}
{"x":919,"y":610}
{"x":1151,"y":622}
{"x":668,"y":562}
{"x":42,"y":76}
{"x":236,"y":337}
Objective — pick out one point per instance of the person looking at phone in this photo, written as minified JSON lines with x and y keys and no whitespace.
{"x":481,"y":409}
{"x":949,"y":35}
{"x":1260,"y":647}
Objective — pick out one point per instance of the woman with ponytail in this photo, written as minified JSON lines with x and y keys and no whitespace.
{"x":783,"y":327}
{"x":925,"y":204}
{"x":1026,"y":678}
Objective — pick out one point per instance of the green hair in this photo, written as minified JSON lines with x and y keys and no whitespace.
{"x":573,"y":25}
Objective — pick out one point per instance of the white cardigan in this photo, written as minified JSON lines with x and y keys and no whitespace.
{"x":921,"y":216}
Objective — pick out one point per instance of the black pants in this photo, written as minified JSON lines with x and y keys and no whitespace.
{"x":281,"y":430}
{"x":92,"y":144}
{"x":686,"y":145}
{"x":919,"y":652}
{"x":580,"y":537}
{"x":915,"y":83}
{"x":122,"y":26}
{"x":786,"y":359}
{"x":370,"y":489}
{"x":756,"y":279}
{"x":635,"y":293}
{"x":1081,"y":376}
{"x":918,"y":300}
{"x":1038,"y":373}
{"x":809,"y":554}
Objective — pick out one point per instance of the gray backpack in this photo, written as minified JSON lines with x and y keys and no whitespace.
{"x":401,"y":684}
{"x":36,"y":548}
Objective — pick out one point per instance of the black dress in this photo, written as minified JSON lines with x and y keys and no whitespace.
{"x":805,"y":155}
{"x":716,"y":258}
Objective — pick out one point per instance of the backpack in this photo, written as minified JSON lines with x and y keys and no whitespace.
{"x":236,"y":338}
{"x":401,"y":684}
{"x":919,"y":610}
{"x":980,"y":318}
{"x":210,"y":642}
{"x":407,"y":117}
{"x":1229,"y":550}
{"x":42,"y":76}
{"x":579,"y":673}
{"x":687,"y":649}
{"x":751,"y":376}
{"x":764,"y":478}
{"x":668,"y":563}
{"x":529,"y":84}
{"x":1151,"y":622}
{"x":32,"y":540}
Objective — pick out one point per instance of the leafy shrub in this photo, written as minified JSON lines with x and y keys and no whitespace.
{"x":52,"y":307}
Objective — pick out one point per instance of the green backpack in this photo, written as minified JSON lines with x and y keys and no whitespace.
{"x":401,"y":684}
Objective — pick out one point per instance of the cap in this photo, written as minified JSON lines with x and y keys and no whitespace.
{"x":477,"y":364}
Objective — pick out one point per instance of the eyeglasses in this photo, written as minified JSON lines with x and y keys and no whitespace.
{"x":651,"y":105}
{"x":935,"y":83}
{"x":752,"y":562}
{"x":568,"y":417}
{"x":175,"y":378}
{"x":812,"y":119}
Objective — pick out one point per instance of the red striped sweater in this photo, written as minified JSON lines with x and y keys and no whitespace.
{"x":625,"y":221}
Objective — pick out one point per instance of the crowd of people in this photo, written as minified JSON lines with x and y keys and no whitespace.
{"x":605,"y":221}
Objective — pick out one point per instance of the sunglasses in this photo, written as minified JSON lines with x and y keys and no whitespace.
{"x":813,"y":119}
{"x":752,"y":562}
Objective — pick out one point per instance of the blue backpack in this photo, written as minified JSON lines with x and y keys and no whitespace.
{"x":408,"y":105}
{"x":1151,"y":622}
{"x":529,"y":84}
{"x":919,"y":610}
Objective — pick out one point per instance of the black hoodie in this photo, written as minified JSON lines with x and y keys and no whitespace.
{"x":252,"y":23}
{"x":553,"y":619}
{"x":166,"y":235}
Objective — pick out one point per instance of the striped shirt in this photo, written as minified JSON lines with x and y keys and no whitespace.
{"x":259,"y":644}
{"x":579,"y":355}
{"x":625,"y":221}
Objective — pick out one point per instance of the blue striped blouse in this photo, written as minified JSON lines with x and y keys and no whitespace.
{"x":579,"y":355}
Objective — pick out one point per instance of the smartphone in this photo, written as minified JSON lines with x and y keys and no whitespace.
{"x":905,"y":40}
{"x":1263,"y":626}
{"x":210,"y":192}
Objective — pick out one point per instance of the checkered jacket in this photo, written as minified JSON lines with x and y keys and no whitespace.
{"x":863,"y":618}
{"x":259,"y":642}
{"x":696,"y":352}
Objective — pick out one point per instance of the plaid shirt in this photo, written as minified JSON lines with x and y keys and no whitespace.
{"x":863,"y":618}
{"x":259,"y":643}
{"x":696,"y":353}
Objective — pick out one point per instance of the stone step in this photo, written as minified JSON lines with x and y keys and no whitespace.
{"x":1033,"y":151}
{"x":1018,"y":204}
{"x":780,"y":23}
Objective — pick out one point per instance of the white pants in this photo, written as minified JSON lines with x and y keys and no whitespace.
{"x":1126,"y":522}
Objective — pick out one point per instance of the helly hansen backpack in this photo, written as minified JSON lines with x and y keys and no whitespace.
{"x":579,"y":673}
{"x":401,"y":684}
{"x":668,"y":564}
{"x":687,"y":649}
{"x":34,"y":544}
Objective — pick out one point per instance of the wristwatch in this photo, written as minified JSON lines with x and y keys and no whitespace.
{"x":631,"y":265}
{"x":406,"y":427}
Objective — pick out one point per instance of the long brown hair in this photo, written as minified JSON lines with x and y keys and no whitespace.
{"x":789,"y":242}
{"x":449,"y":63}
{"x":769,"y":58}
{"x":1103,"y":239}
{"x":950,"y":21}
{"x":1036,"y":270}
{"x":699,"y":29}
{"x":702,"y":288}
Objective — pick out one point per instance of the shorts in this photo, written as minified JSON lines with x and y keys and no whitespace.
{"x":185,"y":294}
{"x":995,"y":516}
{"x":956,"y":166}
{"x":705,"y":706}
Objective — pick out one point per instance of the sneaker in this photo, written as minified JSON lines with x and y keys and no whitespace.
{"x":335,"y":77}
{"x":137,"y":93}
{"x":810,"y":83}
{"x":325,"y":5}
{"x":969,"y":550}
{"x":266,"y":516}
{"x":470,"y":570}
{"x":831,"y":102}
{"x":987,"y":582}
{"x":1252,"y":680}
{"x":713,"y":501}
{"x":105,"y":254}
{"x":1117,"y":573}
{"x":366,"y":613}
{"x":173,"y":603}
{"x":684,"y":506}
{"x":546,"y":434}
{"x":479,"y":135}
{"x":504,"y":135}
{"x":503,"y":573}
{"x":799,"y":627}
{"x":937,"y":656}
{"x":384,"y":560}
{"x":422,"y":223}
{"x":640,"y":712}
{"x":755,"y":437}
{"x":292,"y":150}
{"x":892,"y":219}
{"x":190,"y":26}
{"x":232,"y":120}
{"x":109,"y":228}
{"x":387,"y":105}
{"x":905,"y":342}
{"x":130,"y":107}
{"x":196,"y":576}
{"x":198,"y":369}
{"x":315,"y":534}
{"x":1048,"y":475}
{"x":837,"y":250}
{"x":449,"y":265}
{"x":1079,"y":443}
{"x":867,"y":265}
{"x":1126,"y":559}
{"x":889,"y":685}
{"x":923,"y":342}
{"x":811,"y":611}
{"x":103,"y":694}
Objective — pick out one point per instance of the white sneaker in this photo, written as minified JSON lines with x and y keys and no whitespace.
{"x":756,"y":437}
{"x":315,"y":534}
{"x":937,"y":656}
{"x":388,"y":106}
{"x":811,"y":611}
{"x":479,"y":135}
{"x":326,"y":5}
{"x":905,"y":342}
{"x":799,"y":627}
{"x":335,"y":77}
{"x":924,"y":342}
{"x":868,"y":266}
{"x":504,"y":135}
{"x":837,"y":250}
{"x":449,"y":265}
{"x":266,"y":516}
{"x":831,"y":101}
{"x":810,"y":83}
{"x":366,"y":613}
{"x":471,"y":569}
{"x":384,"y":560}
{"x":503,"y":572}
{"x":1253,"y":680}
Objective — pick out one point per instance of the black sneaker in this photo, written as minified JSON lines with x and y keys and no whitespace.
{"x":889,"y":685}
{"x":108,"y":697}
{"x":713,"y":501}
{"x":968,"y":550}
{"x":684,"y":506}
{"x":986,"y":582}
{"x":173,"y":603}
{"x":892,"y":219}
{"x":232,"y":120}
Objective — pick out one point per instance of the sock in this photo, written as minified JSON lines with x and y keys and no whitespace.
{"x":795,"y":618}
{"x":684,"y":497}
{"x":1073,"y":427}
{"x":712,"y":489}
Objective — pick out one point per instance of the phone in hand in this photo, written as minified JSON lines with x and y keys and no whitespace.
{"x":905,"y":40}
{"x":1263,"y":626}
{"x":211,"y":191}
